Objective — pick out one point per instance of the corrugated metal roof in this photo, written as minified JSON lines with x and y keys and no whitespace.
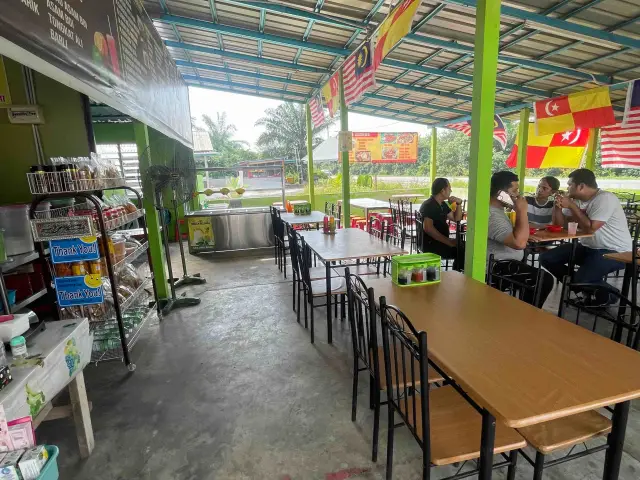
{"x":286,"y":49}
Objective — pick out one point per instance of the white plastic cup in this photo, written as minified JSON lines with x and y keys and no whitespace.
{"x":572,"y":228}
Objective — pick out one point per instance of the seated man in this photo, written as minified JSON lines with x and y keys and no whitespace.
{"x":597,"y":212}
{"x":507,"y":241}
{"x":540,"y":209}
{"x":435,"y":212}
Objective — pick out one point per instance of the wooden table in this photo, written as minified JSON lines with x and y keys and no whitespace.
{"x":523,"y":365}
{"x":64,"y":350}
{"x":368,"y":204}
{"x":546,"y":236}
{"x":407,"y":196}
{"x":292,"y":219}
{"x":346,"y":244}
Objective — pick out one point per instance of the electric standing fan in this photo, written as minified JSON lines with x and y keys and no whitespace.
{"x":178,"y":176}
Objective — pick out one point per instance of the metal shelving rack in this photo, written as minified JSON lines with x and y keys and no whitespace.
{"x":87,"y":189}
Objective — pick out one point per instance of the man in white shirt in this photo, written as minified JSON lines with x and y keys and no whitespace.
{"x":597,"y":212}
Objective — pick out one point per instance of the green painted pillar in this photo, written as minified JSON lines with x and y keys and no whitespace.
{"x":594,"y":134}
{"x":485,"y":66}
{"x":344,"y":127}
{"x":312,"y":194}
{"x":434,"y":148}
{"x":153,"y":222}
{"x":523,"y":141}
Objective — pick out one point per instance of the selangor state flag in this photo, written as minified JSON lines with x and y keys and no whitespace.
{"x":562,"y":150}
{"x":331,"y":94}
{"x":586,"y":109}
{"x":394,"y":28}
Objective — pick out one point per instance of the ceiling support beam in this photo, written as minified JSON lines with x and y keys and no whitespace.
{"x":244,"y":57}
{"x":558,"y":26}
{"x":342,"y":52}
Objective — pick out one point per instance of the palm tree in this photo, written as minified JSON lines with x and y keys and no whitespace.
{"x":222,"y":132}
{"x":285,"y":131}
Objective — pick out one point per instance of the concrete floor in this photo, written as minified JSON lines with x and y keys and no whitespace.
{"x":232,"y":389}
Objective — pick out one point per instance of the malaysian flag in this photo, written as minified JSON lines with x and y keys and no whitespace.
{"x":499,"y":130}
{"x":317,"y":113}
{"x":359,"y":73}
{"x":620,"y":143}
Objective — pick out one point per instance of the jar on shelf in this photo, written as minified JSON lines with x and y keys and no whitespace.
{"x":51,"y":175}
{"x":38,"y":179}
{"x":65,"y":179}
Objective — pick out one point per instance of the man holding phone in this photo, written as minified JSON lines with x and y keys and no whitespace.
{"x":435,"y":212}
{"x":507,"y":241}
{"x":597,"y":212}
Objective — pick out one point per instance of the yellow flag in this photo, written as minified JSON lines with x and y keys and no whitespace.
{"x":331,"y":94}
{"x":394,"y":28}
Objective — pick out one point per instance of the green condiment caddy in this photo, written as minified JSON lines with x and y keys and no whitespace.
{"x":415,"y":270}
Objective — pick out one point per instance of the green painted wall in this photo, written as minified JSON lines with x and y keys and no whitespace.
{"x":114,"y":133}
{"x":63,"y":133}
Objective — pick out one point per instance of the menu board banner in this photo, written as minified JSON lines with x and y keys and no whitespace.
{"x":74,"y":250}
{"x":80,"y":290}
{"x":383,"y":147}
{"x":112,"y":47}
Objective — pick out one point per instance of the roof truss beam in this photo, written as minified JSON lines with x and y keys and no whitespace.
{"x":557,"y":25}
{"x":244,"y":57}
{"x":311,"y":85}
{"x":339,"y":52}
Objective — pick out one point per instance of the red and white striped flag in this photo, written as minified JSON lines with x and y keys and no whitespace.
{"x":359,"y":73}
{"x":317,"y":112}
{"x":620,"y":145}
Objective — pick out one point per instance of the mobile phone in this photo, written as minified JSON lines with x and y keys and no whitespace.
{"x":505,"y":199}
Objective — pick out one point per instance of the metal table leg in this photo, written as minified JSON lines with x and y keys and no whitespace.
{"x":329,"y":320}
{"x":572,"y":258}
{"x":626,"y":284}
{"x":616,"y":441}
{"x":487,"y":444}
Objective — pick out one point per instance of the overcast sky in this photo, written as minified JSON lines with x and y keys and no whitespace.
{"x":244,"y":110}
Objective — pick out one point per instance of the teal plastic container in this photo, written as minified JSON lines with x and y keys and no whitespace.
{"x":50,"y":470}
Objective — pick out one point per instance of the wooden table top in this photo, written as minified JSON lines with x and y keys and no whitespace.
{"x":523,"y":364}
{"x":546,"y":236}
{"x":368,"y":203}
{"x":348,"y":244}
{"x":409,"y":195}
{"x":292,"y":219}
{"x":624,"y":257}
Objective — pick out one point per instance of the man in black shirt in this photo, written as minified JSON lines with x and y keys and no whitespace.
{"x":435,"y":212}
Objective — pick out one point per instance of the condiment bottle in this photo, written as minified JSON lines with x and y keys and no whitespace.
{"x":18,"y":347}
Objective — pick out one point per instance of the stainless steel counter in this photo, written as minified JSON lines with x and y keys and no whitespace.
{"x":230,"y":229}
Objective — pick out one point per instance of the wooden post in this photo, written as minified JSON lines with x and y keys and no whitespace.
{"x":81,"y":415}
{"x":434,"y":148}
{"x":592,"y":147}
{"x":346,"y":188}
{"x":312,"y":196}
{"x":485,"y":64}
{"x":523,"y":140}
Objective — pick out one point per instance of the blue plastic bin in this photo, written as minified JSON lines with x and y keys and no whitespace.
{"x":11,"y":296}
{"x":50,"y":470}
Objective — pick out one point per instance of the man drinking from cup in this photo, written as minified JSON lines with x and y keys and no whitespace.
{"x":595,"y":211}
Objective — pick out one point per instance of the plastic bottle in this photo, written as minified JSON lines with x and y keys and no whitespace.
{"x":3,"y":356}
{"x":18,"y":347}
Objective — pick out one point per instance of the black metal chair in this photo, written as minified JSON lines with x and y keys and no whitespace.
{"x":418,"y":222}
{"x":316,"y":289}
{"x":445,"y":422}
{"x":315,"y":273}
{"x":281,"y":243}
{"x":569,"y":432}
{"x":516,"y":278}
{"x":363,"y":320}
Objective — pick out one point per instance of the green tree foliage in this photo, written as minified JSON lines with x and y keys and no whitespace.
{"x":227,"y":150}
{"x":285,"y":132}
